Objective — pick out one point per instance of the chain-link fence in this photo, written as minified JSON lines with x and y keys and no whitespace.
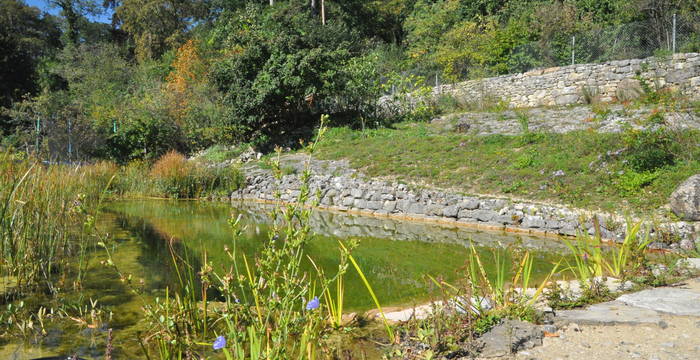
{"x":661,"y":37}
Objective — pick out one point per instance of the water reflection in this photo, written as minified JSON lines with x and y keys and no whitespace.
{"x":395,"y":255}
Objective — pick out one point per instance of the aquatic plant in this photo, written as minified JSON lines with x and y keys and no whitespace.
{"x":42,"y":209}
{"x":619,"y":260}
{"x":265,"y":307}
{"x":173,"y":175}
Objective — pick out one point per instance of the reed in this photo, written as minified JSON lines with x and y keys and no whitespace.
{"x":266,"y":307}
{"x":592,"y":260}
{"x":42,"y":210}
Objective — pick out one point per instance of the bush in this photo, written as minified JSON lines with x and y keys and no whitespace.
{"x":176,"y":177}
{"x":631,"y":181}
{"x":648,"y":150}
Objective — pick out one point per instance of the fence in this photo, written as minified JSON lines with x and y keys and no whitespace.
{"x":637,"y":40}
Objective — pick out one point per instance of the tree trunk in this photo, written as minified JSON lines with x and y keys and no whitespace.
{"x":323,"y":12}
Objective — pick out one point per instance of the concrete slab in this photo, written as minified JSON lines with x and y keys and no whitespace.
{"x":609,"y":313}
{"x":676,"y":301}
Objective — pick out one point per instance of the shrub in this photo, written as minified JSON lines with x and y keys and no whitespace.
{"x":631,"y":181}
{"x":648,"y":150}
{"x":176,"y":177}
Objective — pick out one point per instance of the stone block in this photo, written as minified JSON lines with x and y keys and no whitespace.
{"x":450,"y":211}
{"x":469,"y":204}
{"x":485,"y":215}
{"x":389,"y":206}
{"x":416,"y":208}
{"x":533,"y":222}
{"x":356,"y":193}
{"x":374,"y":205}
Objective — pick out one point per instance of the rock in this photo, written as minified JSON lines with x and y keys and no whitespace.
{"x":629,"y":89}
{"x":685,"y":200}
{"x":668,"y":300}
{"x":403,"y":205}
{"x":484,"y":215}
{"x":691,"y":263}
{"x":549,"y":328}
{"x":471,"y":204}
{"x":435,"y":210}
{"x":609,"y":313}
{"x":508,"y":337}
{"x":360,"y":204}
{"x":356,"y":193}
{"x":348,"y":201}
{"x":687,"y":244}
{"x":533,"y":222}
{"x":390,"y":206}
{"x":416,"y":208}
{"x":450,"y":211}
{"x":374,"y":205}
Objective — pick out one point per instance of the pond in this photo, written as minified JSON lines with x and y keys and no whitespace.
{"x":396,"y":256}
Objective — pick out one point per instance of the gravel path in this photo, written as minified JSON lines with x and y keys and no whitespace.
{"x":664,"y":336}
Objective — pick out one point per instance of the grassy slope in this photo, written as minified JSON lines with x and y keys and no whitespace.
{"x":517,"y":166}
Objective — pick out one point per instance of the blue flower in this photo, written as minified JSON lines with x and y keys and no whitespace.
{"x":219,"y":343}
{"x":313,"y":304}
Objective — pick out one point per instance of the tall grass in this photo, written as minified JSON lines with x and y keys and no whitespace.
{"x":42,"y":210}
{"x":591,"y":260}
{"x":266,"y":307}
{"x":174,"y":176}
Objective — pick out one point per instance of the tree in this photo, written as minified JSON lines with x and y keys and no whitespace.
{"x":26,"y":35}
{"x":158,"y":25}
{"x":73,"y":12}
{"x":280,"y":70}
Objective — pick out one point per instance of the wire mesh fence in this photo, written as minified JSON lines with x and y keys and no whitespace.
{"x":664,"y":36}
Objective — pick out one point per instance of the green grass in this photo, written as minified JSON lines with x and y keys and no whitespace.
{"x":521,"y":166}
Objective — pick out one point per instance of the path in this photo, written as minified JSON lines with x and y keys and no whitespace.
{"x":656,"y":324}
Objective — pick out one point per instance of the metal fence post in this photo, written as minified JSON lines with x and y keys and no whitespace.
{"x":673,"y":36}
{"x":38,"y":130}
{"x":573,"y":50}
{"x":70,"y":142}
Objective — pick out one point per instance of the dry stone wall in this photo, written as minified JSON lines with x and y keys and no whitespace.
{"x":567,"y":85}
{"x":616,"y":119}
{"x":351,"y":192}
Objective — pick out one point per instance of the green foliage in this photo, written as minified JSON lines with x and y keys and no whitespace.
{"x":409,"y":100}
{"x":158,"y":26}
{"x":42,"y":210}
{"x":526,"y":160}
{"x":631,"y":182}
{"x":651,"y":149}
{"x":175,"y":176}
{"x":220,"y":153}
{"x":25,"y":36}
{"x":285,"y":69}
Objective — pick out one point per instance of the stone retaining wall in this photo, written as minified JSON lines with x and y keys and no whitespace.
{"x":615,"y":119}
{"x":566,"y":85}
{"x":351,"y":192}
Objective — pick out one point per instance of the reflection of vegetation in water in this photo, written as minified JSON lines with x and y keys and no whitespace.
{"x":395,"y":268}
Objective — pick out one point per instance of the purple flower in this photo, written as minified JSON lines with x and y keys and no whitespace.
{"x":219,"y":343}
{"x":313,"y":304}
{"x":585,"y":256}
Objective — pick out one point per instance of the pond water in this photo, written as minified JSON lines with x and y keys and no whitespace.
{"x":396,"y":256}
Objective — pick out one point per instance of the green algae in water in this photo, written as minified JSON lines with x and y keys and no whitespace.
{"x":395,"y":256}
{"x":396,"y":269}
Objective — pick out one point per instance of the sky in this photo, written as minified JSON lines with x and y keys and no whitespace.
{"x":44,"y":6}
